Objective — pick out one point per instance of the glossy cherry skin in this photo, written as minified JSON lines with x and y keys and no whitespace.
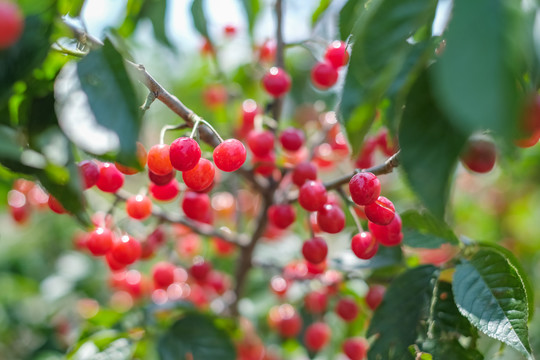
{"x":336,"y":54}
{"x":126,"y":250}
{"x":139,"y":207}
{"x":355,"y":348}
{"x":230,"y":155}
{"x":292,"y":139}
{"x":163,"y":274}
{"x":166,"y":192}
{"x":89,"y":171}
{"x":276,"y":82}
{"x":381,"y":211}
{"x":312,"y":195}
{"x":364,"y":245}
{"x":200,"y":270}
{"x":324,"y":75}
{"x":100,"y":241}
{"x":479,"y":155}
{"x":159,"y":161}
{"x":261,"y":143}
{"x":317,"y":336}
{"x":196,"y":205}
{"x":110,"y":179}
{"x":184,"y":153}
{"x":161,"y":180}
{"x":387,"y":235}
{"x":365,"y":188}
{"x":315,"y":250}
{"x":281,"y":215}
{"x":201,"y":176}
{"x":347,"y":309}
{"x":11,"y":24}
{"x":303,"y":172}
{"x":331,"y":218}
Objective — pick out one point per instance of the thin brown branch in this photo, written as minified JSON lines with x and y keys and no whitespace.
{"x":197,"y":227}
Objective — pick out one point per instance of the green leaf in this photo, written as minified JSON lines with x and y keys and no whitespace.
{"x":112,"y":98}
{"x":430,"y":147}
{"x":323,"y":5}
{"x":476,"y":76}
{"x":198,"y":335}
{"x":512,"y":259}
{"x":376,"y":61}
{"x":408,"y":297}
{"x":449,"y":349}
{"x":490,"y":294}
{"x":252,"y":8}
{"x":156,"y":11}
{"x":347,"y":17}
{"x":446,"y":316}
{"x":423,"y":230}
{"x":10,"y":149}
{"x":199,"y":17}
{"x":70,"y":7}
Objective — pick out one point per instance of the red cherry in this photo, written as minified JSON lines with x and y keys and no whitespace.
{"x":315,"y":250}
{"x":215,"y":96}
{"x":142,"y":157}
{"x":289,"y":323}
{"x":11,"y":24}
{"x":201,"y":176}
{"x":196,"y":205}
{"x":355,"y":348}
{"x":100,"y":241}
{"x":279,"y":285}
{"x":276,"y":82}
{"x":303,"y":172}
{"x":139,"y":207}
{"x":365,"y":158}
{"x":222,"y":247}
{"x":282,"y":215}
{"x":364,"y":245}
{"x":387,"y":235}
{"x":347,"y":309}
{"x":312,"y":195}
{"x":200,"y":270}
{"x":19,"y":207}
{"x":267,"y":52}
{"x":112,"y":263}
{"x":386,"y":144}
{"x":316,"y":302}
{"x":331,"y":218}
{"x":89,"y":171}
{"x":336,"y":54}
{"x":230,"y":155}
{"x":161,"y":180}
{"x":324,"y":75}
{"x":291,"y":139}
{"x":163,"y":274}
{"x":365,"y":188}
{"x":529,"y":126}
{"x":110,"y":179}
{"x":249,"y":111}
{"x":375,"y":296}
{"x":260,"y":142}
{"x":381,"y":211}
{"x":184,"y":153}
{"x":229,"y":30}
{"x":479,"y":155}
{"x":264,"y":165}
{"x":159,"y":161}
{"x":166,"y":192}
{"x":317,"y":336}
{"x":126,"y":250}
{"x":55,"y":205}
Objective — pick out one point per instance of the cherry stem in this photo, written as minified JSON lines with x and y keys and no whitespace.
{"x":195,"y":127}
{"x":170,"y":127}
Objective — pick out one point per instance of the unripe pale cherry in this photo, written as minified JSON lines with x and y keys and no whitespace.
{"x":331,"y":218}
{"x":230,"y":155}
{"x":364,"y":245}
{"x":201,"y":176}
{"x":11,"y":24}
{"x":317,"y":336}
{"x":315,"y":250}
{"x":324,"y":75}
{"x":365,"y":188}
{"x":381,"y":211}
{"x":276,"y":82}
{"x":281,"y":215}
{"x":184,"y":153}
{"x":312,"y":195}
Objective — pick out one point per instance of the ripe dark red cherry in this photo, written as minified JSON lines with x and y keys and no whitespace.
{"x":303,"y":172}
{"x":355,"y":348}
{"x":316,"y":302}
{"x":364,"y":245}
{"x":159,"y":161}
{"x":381,"y":211}
{"x":230,"y":155}
{"x":184,"y":153}
{"x":260,"y":142}
{"x":292,"y":139}
{"x":479,"y":155}
{"x":201,"y":176}
{"x":200,"y":270}
{"x":375,"y":296}
{"x":195,"y":205}
{"x":110,"y":179}
{"x":317,"y":336}
{"x":161,"y":179}
{"x":336,"y":54}
{"x":347,"y":309}
{"x":100,"y":241}
{"x":312,"y":195}
{"x":11,"y":23}
{"x":112,"y":263}
{"x":165,"y":192}
{"x":276,"y":82}
{"x":529,"y":125}
{"x":365,"y":188}
{"x":163,"y":274}
{"x":139,"y":207}
{"x":281,"y":215}
{"x":387,"y":235}
{"x":89,"y":171}
{"x":315,"y":250}
{"x":324,"y":75}
{"x":126,"y":250}
{"x":290,"y":323}
{"x":331,"y":218}
{"x":55,"y":205}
